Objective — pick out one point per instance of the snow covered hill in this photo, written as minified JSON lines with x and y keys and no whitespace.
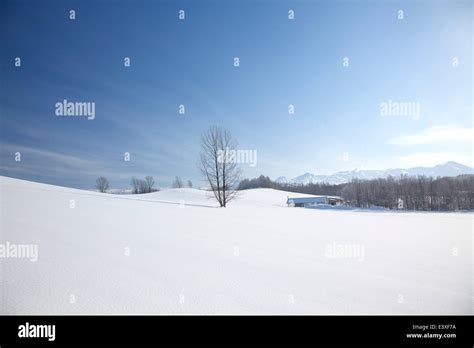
{"x":174,"y":251}
{"x":447,"y":169}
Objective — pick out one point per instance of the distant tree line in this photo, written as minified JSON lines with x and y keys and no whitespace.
{"x":140,"y":185}
{"x":178,"y":183}
{"x":404,"y":192}
{"x":413,"y":193}
{"x":143,"y":185}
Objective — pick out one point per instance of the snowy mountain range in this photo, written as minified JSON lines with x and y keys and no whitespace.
{"x":447,"y":169}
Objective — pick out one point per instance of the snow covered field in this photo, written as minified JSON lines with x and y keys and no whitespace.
{"x":173,"y":251}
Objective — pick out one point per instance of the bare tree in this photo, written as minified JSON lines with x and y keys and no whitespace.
{"x":135,"y":185}
{"x":149,"y":183}
{"x":190,"y":184}
{"x":177,"y":183}
{"x":218,"y":165}
{"x":102,"y":184}
{"x":142,"y":186}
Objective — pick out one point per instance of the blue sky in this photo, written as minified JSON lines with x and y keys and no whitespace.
{"x":337,"y":123}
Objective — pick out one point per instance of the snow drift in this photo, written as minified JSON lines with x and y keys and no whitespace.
{"x":174,"y":251}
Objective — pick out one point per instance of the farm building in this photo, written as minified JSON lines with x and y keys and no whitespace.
{"x":307,"y":201}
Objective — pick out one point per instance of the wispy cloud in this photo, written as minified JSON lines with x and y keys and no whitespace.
{"x":435,"y":135}
{"x":46,"y":155}
{"x":53,"y":164}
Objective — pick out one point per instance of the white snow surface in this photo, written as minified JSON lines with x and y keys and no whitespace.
{"x":256,"y":256}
